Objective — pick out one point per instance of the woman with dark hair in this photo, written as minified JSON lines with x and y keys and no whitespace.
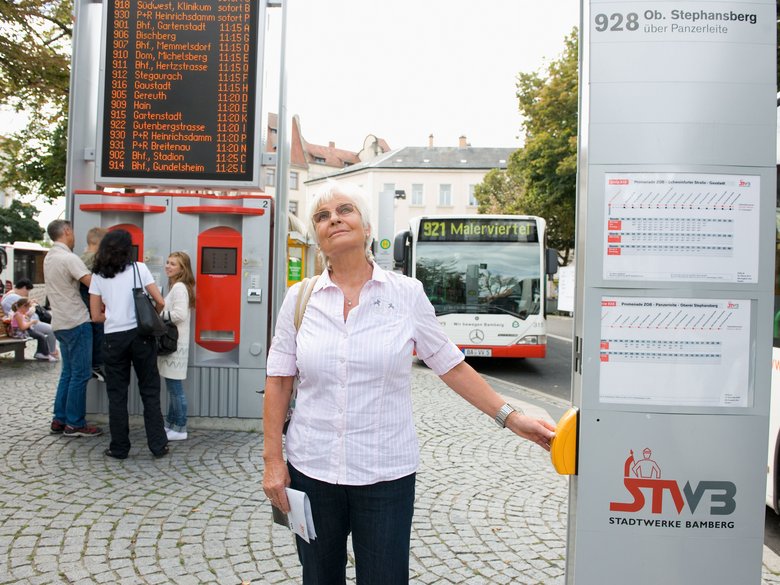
{"x":111,"y":302}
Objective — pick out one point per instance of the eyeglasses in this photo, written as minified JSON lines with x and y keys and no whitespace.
{"x":342,"y":210}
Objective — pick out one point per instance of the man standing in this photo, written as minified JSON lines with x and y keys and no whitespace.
{"x":63,"y":271}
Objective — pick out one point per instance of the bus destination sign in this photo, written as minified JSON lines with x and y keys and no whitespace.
{"x":476,"y":229}
{"x":179,"y":93}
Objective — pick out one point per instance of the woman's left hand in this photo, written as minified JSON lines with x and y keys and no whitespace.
{"x":537,"y":430}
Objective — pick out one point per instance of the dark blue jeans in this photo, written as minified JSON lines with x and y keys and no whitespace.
{"x":380,"y":519}
{"x":122,"y":350}
{"x":70,"y":401}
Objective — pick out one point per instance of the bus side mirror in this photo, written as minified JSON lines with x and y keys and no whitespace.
{"x":400,"y":252}
{"x":551,"y":261}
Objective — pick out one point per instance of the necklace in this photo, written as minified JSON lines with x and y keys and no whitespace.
{"x":349,"y":303}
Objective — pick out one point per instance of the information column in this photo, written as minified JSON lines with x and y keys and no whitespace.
{"x":180,"y":93}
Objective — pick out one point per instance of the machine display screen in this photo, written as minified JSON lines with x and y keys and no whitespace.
{"x":179,"y":94}
{"x":218,"y":261}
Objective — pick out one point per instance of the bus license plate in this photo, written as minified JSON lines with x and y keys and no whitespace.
{"x":473,"y":352}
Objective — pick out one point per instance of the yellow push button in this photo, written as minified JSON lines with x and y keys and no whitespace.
{"x":563,"y":449}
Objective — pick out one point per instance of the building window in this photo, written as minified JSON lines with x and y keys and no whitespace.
{"x":417,"y":194}
{"x":472,"y":198}
{"x":293,"y":180}
{"x":292,"y":207}
{"x":445,"y":195}
{"x":270,"y":177}
{"x":319,"y":160}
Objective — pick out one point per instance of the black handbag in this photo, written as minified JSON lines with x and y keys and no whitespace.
{"x":148,"y":320}
{"x":169,"y":340}
{"x":44,"y":316}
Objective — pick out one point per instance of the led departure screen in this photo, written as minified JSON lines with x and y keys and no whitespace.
{"x":180,"y":87}
{"x":218,"y":261}
{"x":476,"y":229}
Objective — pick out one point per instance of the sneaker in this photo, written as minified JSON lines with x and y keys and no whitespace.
{"x":44,"y":358}
{"x":176,"y":435}
{"x":98,"y":374}
{"x":57,"y":427}
{"x":85,"y":431}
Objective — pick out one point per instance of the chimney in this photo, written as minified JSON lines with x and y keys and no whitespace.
{"x":430,"y":141}
{"x":462,"y":142}
{"x":331,"y":145}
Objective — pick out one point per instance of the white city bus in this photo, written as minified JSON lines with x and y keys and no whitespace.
{"x":486,"y":276}
{"x":22,"y":260}
{"x":773,"y":464}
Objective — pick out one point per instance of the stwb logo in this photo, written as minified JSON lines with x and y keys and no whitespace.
{"x":642,"y":478}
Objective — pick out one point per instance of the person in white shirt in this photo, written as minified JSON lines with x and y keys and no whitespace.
{"x":351,"y":444}
{"x":111,"y":302}
{"x":173,"y":368}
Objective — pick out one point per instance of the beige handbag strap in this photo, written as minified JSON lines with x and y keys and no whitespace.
{"x":307,"y":286}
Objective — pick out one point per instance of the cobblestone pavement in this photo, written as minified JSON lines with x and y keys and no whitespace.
{"x":490,"y":509}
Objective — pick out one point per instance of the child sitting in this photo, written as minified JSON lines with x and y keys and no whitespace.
{"x":21,"y":328}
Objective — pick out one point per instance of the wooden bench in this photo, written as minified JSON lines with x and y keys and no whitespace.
{"x":15,"y":345}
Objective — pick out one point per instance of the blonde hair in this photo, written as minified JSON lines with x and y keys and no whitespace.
{"x":96,"y":234}
{"x":357,"y":197}
{"x":186,"y":276}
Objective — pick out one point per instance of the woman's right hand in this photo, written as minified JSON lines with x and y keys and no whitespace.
{"x":276,"y":478}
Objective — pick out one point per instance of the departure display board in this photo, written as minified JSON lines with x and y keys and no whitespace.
{"x":476,"y":229}
{"x":179,"y":92}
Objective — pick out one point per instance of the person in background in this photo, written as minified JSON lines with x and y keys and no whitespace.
{"x":351,"y":444}
{"x":111,"y":302}
{"x":8,"y":286}
{"x":173,"y":368}
{"x":63,"y":271}
{"x":38,"y":329}
{"x":21,"y":322}
{"x":94,"y":236}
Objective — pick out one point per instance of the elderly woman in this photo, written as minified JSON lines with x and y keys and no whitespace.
{"x":351,"y":444}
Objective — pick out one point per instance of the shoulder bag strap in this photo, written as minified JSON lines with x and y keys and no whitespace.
{"x":307,"y":286}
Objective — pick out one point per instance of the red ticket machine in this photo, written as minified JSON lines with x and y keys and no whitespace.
{"x":218,"y":302}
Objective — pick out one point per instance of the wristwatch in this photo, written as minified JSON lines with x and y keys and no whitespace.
{"x":503,"y":413}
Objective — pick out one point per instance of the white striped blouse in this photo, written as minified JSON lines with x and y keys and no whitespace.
{"x":352,"y":422}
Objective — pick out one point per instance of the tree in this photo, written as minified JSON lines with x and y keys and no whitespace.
{"x":541,"y":177}
{"x":34,"y":79}
{"x":18,"y":223}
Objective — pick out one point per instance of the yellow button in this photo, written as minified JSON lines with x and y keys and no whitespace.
{"x":563,"y":449}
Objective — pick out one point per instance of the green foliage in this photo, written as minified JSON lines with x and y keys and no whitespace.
{"x":35,"y":48}
{"x":18,"y":223}
{"x":541,"y":177}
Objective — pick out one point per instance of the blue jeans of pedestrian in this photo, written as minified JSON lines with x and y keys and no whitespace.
{"x":379,"y":516}
{"x":121,"y":350}
{"x":70,"y":401}
{"x":176,"y":419}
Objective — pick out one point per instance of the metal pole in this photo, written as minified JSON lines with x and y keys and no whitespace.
{"x":279,"y":283}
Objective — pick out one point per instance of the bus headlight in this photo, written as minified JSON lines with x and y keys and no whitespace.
{"x":532,"y":340}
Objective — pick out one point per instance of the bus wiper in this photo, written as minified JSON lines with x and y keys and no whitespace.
{"x":523,"y":315}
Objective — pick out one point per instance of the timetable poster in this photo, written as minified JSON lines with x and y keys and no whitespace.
{"x":674,"y":352}
{"x":681,"y":227}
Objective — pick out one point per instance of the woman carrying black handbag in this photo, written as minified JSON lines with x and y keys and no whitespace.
{"x":112,"y":302}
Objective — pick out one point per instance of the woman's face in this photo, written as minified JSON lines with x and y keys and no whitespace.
{"x":339,"y":226}
{"x":172,"y":267}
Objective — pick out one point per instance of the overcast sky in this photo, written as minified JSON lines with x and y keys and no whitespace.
{"x":404,"y":69}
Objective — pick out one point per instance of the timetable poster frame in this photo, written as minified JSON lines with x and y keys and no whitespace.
{"x":675,"y":352}
{"x":180,"y":93}
{"x":681,"y":227}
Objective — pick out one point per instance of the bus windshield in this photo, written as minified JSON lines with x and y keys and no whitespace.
{"x":481,"y":277}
